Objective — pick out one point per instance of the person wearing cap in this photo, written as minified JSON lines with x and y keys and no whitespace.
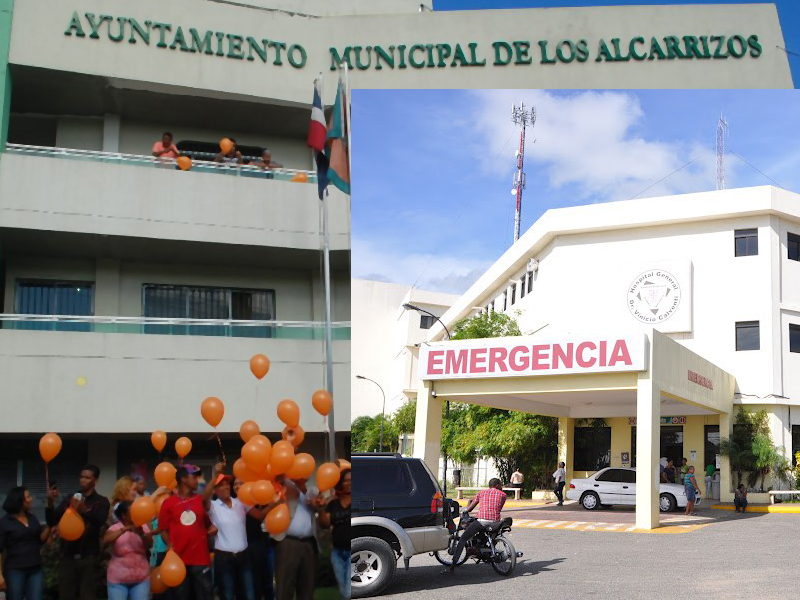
{"x":233,"y":568}
{"x":296,"y":555}
{"x":184,"y":524}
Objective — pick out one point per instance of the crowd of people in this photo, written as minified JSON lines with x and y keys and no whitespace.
{"x":223,"y":543}
{"x":166,"y":149}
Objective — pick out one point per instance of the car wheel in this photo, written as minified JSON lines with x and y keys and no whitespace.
{"x":590,"y":501}
{"x":667,"y":503}
{"x":373,"y":563}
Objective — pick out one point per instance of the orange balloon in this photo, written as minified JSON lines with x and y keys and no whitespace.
{"x":289,"y":413}
{"x":159,"y":440}
{"x":262,"y":492}
{"x":294,"y":435}
{"x":225,"y":145}
{"x":277,"y":520}
{"x":49,"y":446}
{"x":283,"y":446}
{"x":300,"y":177}
{"x":71,"y":526}
{"x":259,"y":365}
{"x":327,"y":476}
{"x":212,"y":410}
{"x":261,"y":440}
{"x":302,"y":467}
{"x":245,"y":494}
{"x":322,"y":402}
{"x":173,"y":570}
{"x":248,"y":430}
{"x":343,"y":464}
{"x":165,"y":474}
{"x":157,"y":585}
{"x":184,"y":162}
{"x":281,"y":461}
{"x":173,"y":484}
{"x":183,"y":446}
{"x":268,"y":474}
{"x":255,"y":455}
{"x":243,"y":472}
{"x":159,"y":501}
{"x":143,"y":510}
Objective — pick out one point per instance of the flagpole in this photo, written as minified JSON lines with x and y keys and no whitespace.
{"x":329,"y":421}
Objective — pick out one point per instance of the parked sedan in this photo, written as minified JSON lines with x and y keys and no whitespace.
{"x":617,"y":485}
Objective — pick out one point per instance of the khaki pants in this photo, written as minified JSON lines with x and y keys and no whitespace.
{"x":295,"y":568}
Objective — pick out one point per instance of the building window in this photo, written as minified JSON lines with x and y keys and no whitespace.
{"x":530,"y":282}
{"x":513,"y":294}
{"x":747,"y":336}
{"x":194,"y":302}
{"x":592,"y":448}
{"x":795,"y":443}
{"x":73,"y":298}
{"x":425,"y":321}
{"x":711,"y":446}
{"x":522,"y":287}
{"x":793,"y":246}
{"x":746,"y":241}
{"x":505,"y":300}
{"x":794,"y":338}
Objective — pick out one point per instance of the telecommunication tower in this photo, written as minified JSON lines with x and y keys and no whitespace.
{"x":722,"y":133}
{"x":523,"y":117}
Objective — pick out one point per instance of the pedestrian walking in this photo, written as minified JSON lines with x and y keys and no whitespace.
{"x":560,"y":477}
{"x":692,"y":489}
{"x":709,"y":479}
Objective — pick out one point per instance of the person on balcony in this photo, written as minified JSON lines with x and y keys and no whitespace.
{"x":165,"y":148}
{"x":266,"y":163}
{"x":232,"y":157}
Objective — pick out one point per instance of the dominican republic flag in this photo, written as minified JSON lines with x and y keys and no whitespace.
{"x":317,"y":130}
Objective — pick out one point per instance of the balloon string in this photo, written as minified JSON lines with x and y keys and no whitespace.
{"x":46,"y":478}
{"x":221,"y":449}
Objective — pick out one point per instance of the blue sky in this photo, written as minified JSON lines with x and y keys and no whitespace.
{"x":788,"y":13}
{"x":433,"y":169}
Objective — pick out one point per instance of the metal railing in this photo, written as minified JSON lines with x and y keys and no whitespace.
{"x":290,"y":330}
{"x":198,"y":164}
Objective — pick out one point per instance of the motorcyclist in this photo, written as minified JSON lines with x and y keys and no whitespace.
{"x":491,"y":502}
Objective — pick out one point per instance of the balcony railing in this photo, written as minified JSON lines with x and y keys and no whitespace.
{"x":199,"y":165}
{"x":289,"y":330}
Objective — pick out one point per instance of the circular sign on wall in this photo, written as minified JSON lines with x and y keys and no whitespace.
{"x":654,"y":296}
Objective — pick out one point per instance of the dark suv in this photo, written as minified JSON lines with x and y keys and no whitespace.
{"x":397,"y":512}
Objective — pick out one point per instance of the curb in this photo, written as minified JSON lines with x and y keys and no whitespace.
{"x":763,"y":509}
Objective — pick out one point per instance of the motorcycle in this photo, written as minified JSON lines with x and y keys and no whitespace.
{"x":490,"y":545}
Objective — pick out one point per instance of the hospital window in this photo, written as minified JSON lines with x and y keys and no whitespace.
{"x":73,"y":298}
{"x":592,"y":448}
{"x":530,"y":282}
{"x":747,"y":336}
{"x":711,"y":445}
{"x":425,"y":321}
{"x":522,"y":287}
{"x":794,"y":338}
{"x":746,"y":241}
{"x":505,"y":300}
{"x":513,"y":294}
{"x":793,"y":245}
{"x":795,"y":443}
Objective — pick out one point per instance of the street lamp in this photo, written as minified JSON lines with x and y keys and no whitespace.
{"x":384,"y":403}
{"x":408,"y":306}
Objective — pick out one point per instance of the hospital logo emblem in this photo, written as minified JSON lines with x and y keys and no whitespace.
{"x":654,"y":296}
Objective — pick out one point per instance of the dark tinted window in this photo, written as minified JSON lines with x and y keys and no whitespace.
{"x":795,"y":443}
{"x":711,"y":446}
{"x":793,"y":246}
{"x":746,"y":242}
{"x":747,"y":335}
{"x":375,"y":477}
{"x":592,"y":448}
{"x":794,"y":338}
{"x":618,"y":475}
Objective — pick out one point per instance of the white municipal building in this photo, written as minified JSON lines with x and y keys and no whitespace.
{"x":661,"y":316}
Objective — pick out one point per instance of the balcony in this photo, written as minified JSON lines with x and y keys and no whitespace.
{"x":101,"y":193}
{"x":124,"y":378}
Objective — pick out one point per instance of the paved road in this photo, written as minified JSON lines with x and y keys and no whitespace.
{"x":751,"y":556}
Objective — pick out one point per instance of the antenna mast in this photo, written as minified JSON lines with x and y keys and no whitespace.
{"x":722,"y":133}
{"x":521,"y":116}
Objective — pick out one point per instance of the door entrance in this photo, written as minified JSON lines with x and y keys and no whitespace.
{"x":671,"y":444}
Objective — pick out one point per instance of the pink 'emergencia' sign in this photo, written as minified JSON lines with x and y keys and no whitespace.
{"x":526,"y":357}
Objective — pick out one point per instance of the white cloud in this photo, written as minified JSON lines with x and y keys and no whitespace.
{"x":592,"y":142}
{"x":436,"y":272}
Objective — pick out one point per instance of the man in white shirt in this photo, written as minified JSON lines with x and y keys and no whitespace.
{"x":296,"y":554}
{"x":560,"y":477}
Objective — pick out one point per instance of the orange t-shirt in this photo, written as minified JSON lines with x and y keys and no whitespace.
{"x":172,"y":151}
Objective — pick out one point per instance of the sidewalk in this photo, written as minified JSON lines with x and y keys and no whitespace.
{"x":763,"y":508}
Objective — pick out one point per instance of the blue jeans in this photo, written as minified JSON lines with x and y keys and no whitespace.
{"x":342,"y":569}
{"x":232,"y":573}
{"x":262,"y":560}
{"x":25,"y":583}
{"x":740,"y":503}
{"x":134,"y":591}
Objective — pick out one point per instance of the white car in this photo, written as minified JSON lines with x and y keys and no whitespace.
{"x":617,"y":485}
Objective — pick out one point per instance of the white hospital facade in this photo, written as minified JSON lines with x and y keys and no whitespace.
{"x":661,"y":316}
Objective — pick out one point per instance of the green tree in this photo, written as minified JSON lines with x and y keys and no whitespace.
{"x":405,"y":417}
{"x":486,"y":325}
{"x":750,"y":449}
{"x":358,"y":432}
